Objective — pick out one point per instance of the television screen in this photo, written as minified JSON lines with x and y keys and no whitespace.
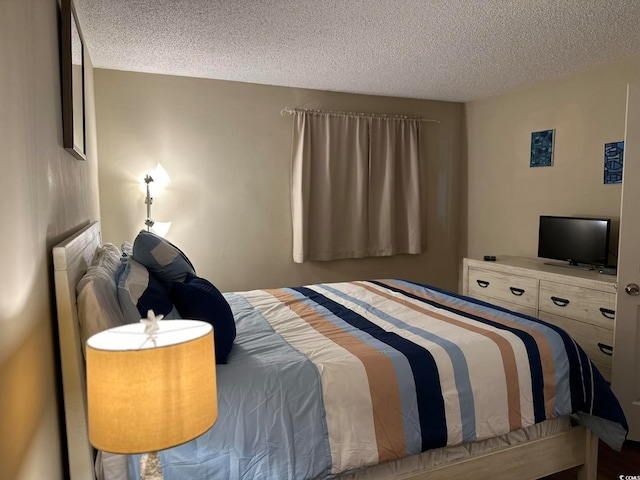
{"x":575,"y":240}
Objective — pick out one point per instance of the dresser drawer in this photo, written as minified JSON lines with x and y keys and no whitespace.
{"x":514,"y":289}
{"x":591,"y":306}
{"x":597,"y":342}
{"x":511,"y":306}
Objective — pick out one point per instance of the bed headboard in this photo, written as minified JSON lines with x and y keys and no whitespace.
{"x":71,"y":257}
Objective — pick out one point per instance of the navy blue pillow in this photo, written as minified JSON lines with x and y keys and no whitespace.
{"x":162,"y":258}
{"x":197,"y":299}
{"x":139,"y":292}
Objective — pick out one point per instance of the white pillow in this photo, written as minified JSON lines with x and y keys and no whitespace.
{"x":127,"y":249}
{"x":98,"y":306}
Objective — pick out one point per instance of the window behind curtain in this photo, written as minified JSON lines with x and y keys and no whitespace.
{"x":355,"y":186}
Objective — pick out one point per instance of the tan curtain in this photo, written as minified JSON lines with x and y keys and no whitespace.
{"x":394,"y":187}
{"x":355,"y":186}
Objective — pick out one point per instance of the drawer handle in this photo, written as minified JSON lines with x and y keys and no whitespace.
{"x":482,"y":283}
{"x":606,"y":349}
{"x":607,"y":313}
{"x":561,"y":302}
{"x":518,"y":292}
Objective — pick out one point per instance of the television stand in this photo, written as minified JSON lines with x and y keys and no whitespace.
{"x":577,"y":266}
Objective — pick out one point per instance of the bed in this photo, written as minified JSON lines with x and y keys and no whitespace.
{"x":370,"y":379}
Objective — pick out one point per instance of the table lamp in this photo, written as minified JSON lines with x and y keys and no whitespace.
{"x":150,"y":385}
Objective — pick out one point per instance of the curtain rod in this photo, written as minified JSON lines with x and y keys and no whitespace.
{"x":291,"y":111}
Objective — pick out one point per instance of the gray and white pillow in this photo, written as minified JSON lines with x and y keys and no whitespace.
{"x":97,"y":297}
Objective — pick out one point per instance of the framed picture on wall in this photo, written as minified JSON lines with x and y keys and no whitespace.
{"x":542,"y":149}
{"x":613,"y":161}
{"x":72,"y":65}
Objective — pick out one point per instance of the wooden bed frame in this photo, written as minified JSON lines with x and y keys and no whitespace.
{"x":576,"y":447}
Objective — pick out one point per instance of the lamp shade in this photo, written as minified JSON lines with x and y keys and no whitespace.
{"x":144,"y":397}
{"x":160,"y":176}
{"x":161,"y":228}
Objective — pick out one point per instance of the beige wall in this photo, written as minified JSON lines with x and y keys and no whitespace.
{"x":227,"y":150}
{"x":44,"y":195}
{"x":506,"y":196}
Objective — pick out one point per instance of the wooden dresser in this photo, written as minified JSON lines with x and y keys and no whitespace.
{"x":582,"y":302}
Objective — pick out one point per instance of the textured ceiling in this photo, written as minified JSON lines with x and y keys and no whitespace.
{"x":455,"y":50}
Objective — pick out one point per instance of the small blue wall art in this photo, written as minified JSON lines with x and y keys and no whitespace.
{"x":542,"y":149}
{"x":613,"y":158}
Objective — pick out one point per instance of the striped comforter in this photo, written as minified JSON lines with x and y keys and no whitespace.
{"x":330,"y":378}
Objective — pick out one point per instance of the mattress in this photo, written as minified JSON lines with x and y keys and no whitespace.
{"x":332,"y":379}
{"x":115,"y":467}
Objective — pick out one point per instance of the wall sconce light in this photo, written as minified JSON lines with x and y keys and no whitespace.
{"x":150,"y":386}
{"x":159,"y":178}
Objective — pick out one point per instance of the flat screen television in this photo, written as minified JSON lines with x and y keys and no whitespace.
{"x":581,"y":242}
